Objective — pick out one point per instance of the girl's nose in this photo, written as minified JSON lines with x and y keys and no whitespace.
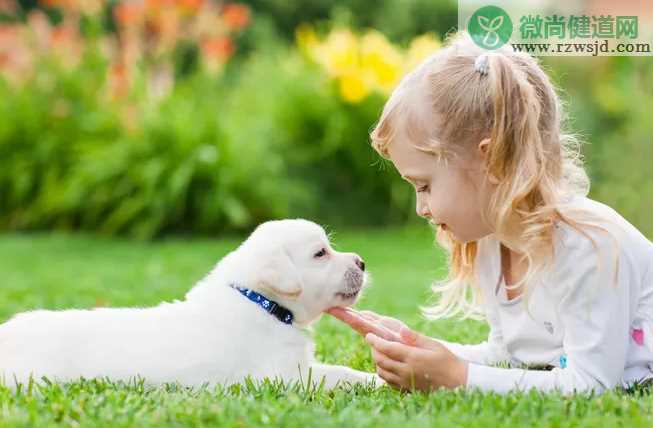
{"x":422,"y":209}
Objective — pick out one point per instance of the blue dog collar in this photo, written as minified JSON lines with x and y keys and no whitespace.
{"x":270,"y":306}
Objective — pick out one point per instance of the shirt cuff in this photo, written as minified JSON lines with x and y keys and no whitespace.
{"x":493,"y":379}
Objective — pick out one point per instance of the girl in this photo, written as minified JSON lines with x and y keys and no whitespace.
{"x":564,"y":282}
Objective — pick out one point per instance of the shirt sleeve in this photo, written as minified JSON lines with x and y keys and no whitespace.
{"x":595,"y":314}
{"x":491,"y":351}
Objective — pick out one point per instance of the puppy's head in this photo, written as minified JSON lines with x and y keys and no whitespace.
{"x":292,"y":262}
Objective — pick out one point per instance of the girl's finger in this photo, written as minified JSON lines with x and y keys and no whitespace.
{"x":395,"y":350}
{"x":371,"y":315}
{"x":347,"y":316}
{"x":387,"y":363}
{"x":393,"y":324}
{"x":362,"y":325}
{"x":389,"y":322}
{"x":391,"y":378}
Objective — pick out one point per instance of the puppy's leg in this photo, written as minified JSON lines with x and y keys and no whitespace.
{"x":334,"y":375}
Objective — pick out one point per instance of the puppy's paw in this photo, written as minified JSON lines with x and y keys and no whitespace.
{"x":376,"y":380}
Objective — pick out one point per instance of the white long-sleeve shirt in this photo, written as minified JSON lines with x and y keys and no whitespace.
{"x":596,"y":335}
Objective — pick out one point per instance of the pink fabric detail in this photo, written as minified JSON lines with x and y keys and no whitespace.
{"x":638,"y":336}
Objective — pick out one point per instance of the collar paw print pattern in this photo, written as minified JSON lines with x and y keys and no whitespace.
{"x":270,"y":306}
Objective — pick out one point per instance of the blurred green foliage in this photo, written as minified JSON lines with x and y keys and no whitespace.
{"x":271,"y":139}
{"x":399,"y":20}
{"x":609,"y":102}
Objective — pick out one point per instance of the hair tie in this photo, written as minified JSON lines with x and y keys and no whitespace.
{"x":482,"y":64}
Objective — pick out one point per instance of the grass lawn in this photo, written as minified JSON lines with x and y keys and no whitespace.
{"x":62,"y":271}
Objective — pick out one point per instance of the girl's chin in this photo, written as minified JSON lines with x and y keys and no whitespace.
{"x":445,"y":228}
{"x":454,"y":235}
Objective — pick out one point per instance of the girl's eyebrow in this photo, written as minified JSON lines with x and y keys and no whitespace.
{"x":410,"y":178}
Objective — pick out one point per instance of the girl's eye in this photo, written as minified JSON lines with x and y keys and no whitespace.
{"x":320,"y":253}
{"x":422,"y":189}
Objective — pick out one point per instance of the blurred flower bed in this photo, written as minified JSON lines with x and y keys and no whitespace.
{"x":146,"y":117}
{"x":136,"y":118}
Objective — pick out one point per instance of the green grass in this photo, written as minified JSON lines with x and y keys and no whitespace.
{"x":60,"y":271}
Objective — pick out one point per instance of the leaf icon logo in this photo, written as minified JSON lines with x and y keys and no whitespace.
{"x":490,"y":26}
{"x":491,"y":39}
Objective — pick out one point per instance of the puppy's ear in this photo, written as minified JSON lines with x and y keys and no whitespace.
{"x":280,"y":276}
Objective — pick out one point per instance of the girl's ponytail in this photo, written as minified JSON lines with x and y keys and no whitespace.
{"x":517,"y":155}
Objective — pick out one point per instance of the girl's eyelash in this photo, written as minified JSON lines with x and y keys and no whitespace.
{"x":422,"y":189}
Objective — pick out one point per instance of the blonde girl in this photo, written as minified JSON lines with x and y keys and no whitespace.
{"x":564,"y":282}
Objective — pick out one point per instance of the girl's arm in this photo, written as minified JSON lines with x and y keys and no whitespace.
{"x":596,"y":316}
{"x":491,"y":351}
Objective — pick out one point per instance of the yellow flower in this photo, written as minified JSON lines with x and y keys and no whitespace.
{"x":352,"y":88}
{"x":306,"y":38}
{"x":364,"y":64}
{"x":420,"y":48}
{"x":381,"y":62}
{"x":339,"y":52}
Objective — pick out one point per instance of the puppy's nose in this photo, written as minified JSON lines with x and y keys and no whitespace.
{"x":360,"y":263}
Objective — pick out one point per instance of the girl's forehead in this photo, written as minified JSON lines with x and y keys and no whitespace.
{"x":409,"y":160}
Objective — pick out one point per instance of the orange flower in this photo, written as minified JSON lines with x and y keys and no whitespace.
{"x":236,"y":16}
{"x":66,"y":44}
{"x":218,"y":47}
{"x":118,"y":71}
{"x":166,"y":20}
{"x":128,"y":13}
{"x":16,"y":57}
{"x":8,"y":7}
{"x":159,"y":4}
{"x":63,"y":4}
{"x":191,"y":5}
{"x":118,"y":80}
{"x":62,"y":34}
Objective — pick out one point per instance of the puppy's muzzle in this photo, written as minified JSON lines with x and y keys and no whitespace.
{"x":353,"y":281}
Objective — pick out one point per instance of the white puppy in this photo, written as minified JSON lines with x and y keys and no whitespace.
{"x":218,"y":334}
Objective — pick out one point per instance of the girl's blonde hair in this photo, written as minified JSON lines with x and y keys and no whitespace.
{"x":447,"y":107}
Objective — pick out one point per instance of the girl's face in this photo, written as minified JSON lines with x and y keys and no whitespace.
{"x":448,"y":195}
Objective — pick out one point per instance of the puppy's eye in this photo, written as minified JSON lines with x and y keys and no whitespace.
{"x":320,"y":253}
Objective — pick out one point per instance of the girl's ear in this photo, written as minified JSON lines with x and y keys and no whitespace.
{"x":483,"y":149}
{"x":484,"y":146}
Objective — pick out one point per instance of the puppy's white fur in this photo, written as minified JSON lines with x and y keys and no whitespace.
{"x":215,"y":335}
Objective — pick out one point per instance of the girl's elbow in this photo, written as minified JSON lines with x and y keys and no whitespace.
{"x":588,"y":383}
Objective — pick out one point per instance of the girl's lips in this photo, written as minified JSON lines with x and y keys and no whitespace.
{"x":436,"y":225}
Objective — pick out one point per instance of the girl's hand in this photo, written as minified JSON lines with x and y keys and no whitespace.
{"x":405,"y":359}
{"x":369,"y":322}
{"x":417,"y":362}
